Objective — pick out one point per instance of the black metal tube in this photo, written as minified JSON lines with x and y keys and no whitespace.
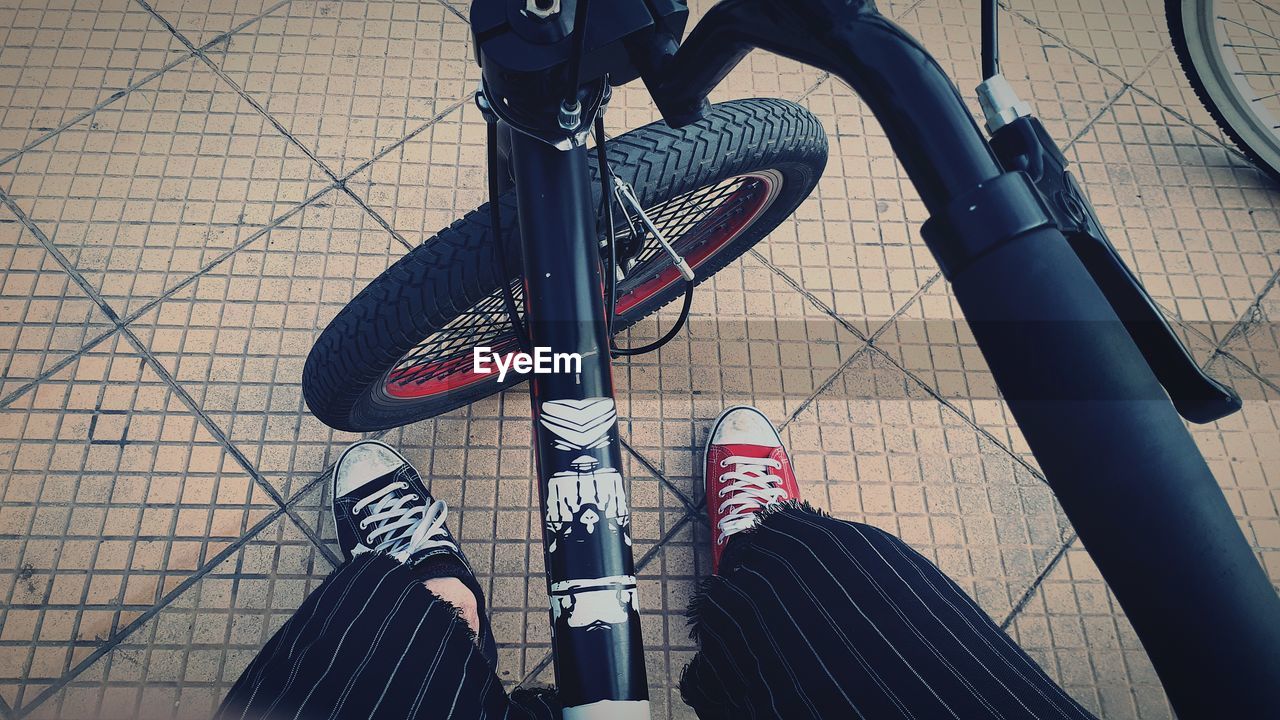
{"x":1126,"y":470}
{"x":990,"y":38}
{"x":1128,"y":475}
{"x":596,"y":638}
{"x":574,"y":74}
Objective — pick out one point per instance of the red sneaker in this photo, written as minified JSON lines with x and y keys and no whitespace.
{"x":747,"y":470}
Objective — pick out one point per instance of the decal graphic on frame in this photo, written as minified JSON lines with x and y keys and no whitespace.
{"x":585,"y":498}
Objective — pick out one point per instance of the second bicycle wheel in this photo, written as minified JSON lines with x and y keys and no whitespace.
{"x":1230,"y":50}
{"x":401,"y":351}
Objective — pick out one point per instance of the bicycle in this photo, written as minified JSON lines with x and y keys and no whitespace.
{"x":589,"y":242}
{"x":1229,"y":51}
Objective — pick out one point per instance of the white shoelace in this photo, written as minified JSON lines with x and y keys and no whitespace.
{"x":752,"y":489}
{"x":404,"y":530}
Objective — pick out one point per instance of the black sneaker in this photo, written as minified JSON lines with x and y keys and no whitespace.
{"x":381,"y":505}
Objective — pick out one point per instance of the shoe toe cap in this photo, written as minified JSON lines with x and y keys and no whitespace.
{"x":363,"y":462}
{"x":745,"y":426}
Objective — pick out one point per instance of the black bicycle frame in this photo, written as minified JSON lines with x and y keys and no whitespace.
{"x":1109,"y":441}
{"x":587,"y":531}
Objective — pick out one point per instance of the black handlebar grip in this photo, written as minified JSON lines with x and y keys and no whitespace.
{"x":1159,"y":528}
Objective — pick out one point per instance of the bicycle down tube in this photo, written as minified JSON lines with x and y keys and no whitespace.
{"x":587,"y":531}
{"x":1107,"y":437}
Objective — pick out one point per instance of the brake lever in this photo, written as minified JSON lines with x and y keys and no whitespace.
{"x":1023,"y":144}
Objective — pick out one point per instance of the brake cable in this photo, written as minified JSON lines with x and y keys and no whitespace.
{"x":499,"y":267}
{"x":609,"y":187}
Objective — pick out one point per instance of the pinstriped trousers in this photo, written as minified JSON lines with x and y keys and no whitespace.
{"x":811,"y":617}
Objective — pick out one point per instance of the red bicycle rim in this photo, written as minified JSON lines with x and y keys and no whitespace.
{"x":731,"y":216}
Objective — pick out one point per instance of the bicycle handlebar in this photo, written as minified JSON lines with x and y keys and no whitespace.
{"x":1110,"y":443}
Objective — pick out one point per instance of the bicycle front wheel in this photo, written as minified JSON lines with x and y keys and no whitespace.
{"x":1230,"y":50}
{"x":402,"y":350}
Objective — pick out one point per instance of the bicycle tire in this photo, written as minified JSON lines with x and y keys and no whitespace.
{"x":1190,"y":26}
{"x":348,"y":377}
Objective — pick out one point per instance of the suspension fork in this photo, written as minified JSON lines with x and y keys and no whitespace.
{"x":596,"y":641}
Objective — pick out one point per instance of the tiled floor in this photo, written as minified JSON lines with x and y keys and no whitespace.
{"x":191,"y":189}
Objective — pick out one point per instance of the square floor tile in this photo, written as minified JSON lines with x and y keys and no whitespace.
{"x":150,"y":189}
{"x":479,"y":460}
{"x":181,"y":661}
{"x":875,"y":448}
{"x":431,"y":180}
{"x":1198,"y":225}
{"x":348,"y":78}
{"x":1256,"y":341}
{"x":1073,"y":627}
{"x":1121,"y":36}
{"x":44,"y":315}
{"x":111,"y":494}
{"x":750,"y":339}
{"x":854,"y":244}
{"x":59,"y":59}
{"x":202,"y":21}
{"x":237,"y":337}
{"x":1166,"y":82}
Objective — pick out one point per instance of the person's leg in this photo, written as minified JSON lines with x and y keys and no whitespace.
{"x":809,"y":616}
{"x":398,"y":631}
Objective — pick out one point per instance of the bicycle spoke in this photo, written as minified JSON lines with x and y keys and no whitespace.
{"x":447,"y":351}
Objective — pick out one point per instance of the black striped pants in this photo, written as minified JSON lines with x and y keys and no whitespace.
{"x":811,"y":617}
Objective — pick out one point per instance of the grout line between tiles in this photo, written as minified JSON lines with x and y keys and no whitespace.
{"x":61,"y":259}
{"x":825,"y":384}
{"x":449,"y":6}
{"x":813,"y":299}
{"x":227,"y":35}
{"x":968,"y":420}
{"x":1034,"y":587}
{"x":1243,"y":366}
{"x":148,"y":78}
{"x":5,"y":711}
{"x":110,"y":99}
{"x":1132,"y":84}
{"x":56,"y":367}
{"x":292,"y":139}
{"x":253,"y":237}
{"x":823,"y":77}
{"x":924,"y":288}
{"x":104,"y":306}
{"x":375,"y":216}
{"x":1106,"y":108}
{"x":908,"y":10}
{"x":1251,"y":315}
{"x":217,"y":432}
{"x":217,"y":70}
{"x":1201,"y":130}
{"x":413,"y":134}
{"x":653,"y":470}
{"x":120,"y":635}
